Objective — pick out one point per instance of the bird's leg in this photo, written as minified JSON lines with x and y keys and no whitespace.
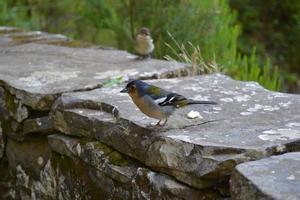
{"x":161,"y":125}
{"x":158,"y":123}
{"x":165,"y":122}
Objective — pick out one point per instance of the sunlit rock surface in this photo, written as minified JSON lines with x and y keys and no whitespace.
{"x":199,"y":152}
{"x":68,"y":133}
{"x":277,"y":177}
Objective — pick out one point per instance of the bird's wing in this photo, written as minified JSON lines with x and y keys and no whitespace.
{"x":157,"y":93}
{"x":174,"y":99}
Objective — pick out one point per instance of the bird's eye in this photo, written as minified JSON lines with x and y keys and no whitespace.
{"x":132,"y":88}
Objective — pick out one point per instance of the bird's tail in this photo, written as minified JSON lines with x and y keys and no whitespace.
{"x":191,"y":101}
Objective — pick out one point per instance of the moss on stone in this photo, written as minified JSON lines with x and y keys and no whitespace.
{"x":113,"y":156}
{"x":102,"y":147}
{"x":117,"y":159}
{"x":10,"y":104}
{"x":77,"y":178}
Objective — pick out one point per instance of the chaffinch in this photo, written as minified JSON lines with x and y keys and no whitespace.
{"x":156,"y":102}
{"x":144,"y":43}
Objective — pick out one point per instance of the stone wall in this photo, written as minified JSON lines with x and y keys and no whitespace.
{"x":67,"y":132}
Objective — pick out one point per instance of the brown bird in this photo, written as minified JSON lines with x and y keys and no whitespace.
{"x":144,"y":43}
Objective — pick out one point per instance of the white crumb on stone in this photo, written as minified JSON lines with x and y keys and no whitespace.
{"x":194,"y":114}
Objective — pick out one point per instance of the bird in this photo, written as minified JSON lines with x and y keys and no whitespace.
{"x":144,"y":43}
{"x":156,"y":102}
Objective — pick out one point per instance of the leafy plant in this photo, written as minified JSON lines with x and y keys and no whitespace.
{"x":242,"y":68}
{"x":250,"y":69}
{"x":191,"y":55}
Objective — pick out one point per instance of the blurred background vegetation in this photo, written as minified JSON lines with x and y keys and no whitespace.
{"x":247,"y":39}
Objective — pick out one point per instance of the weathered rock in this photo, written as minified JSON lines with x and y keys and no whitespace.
{"x":31,"y":155}
{"x":122,"y":177}
{"x":1,"y":143}
{"x":248,"y":123}
{"x":59,"y":179}
{"x":277,"y":177}
{"x":11,"y":36}
{"x":39,"y":73}
{"x":40,"y":125}
{"x":16,"y":37}
{"x":12,"y":113}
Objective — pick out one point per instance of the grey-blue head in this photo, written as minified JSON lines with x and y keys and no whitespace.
{"x":136,"y":87}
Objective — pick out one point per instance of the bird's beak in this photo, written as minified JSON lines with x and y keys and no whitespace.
{"x":125,"y":90}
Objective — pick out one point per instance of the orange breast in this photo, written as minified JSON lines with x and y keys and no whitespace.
{"x":149,"y":109}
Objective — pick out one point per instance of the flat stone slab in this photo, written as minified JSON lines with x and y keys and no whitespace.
{"x":277,"y":177}
{"x":13,"y":36}
{"x":37,"y":73}
{"x":248,"y":123}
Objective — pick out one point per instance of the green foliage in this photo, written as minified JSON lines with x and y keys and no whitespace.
{"x":242,"y":67}
{"x":205,"y":31}
{"x":248,"y":68}
{"x":274,"y":28}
